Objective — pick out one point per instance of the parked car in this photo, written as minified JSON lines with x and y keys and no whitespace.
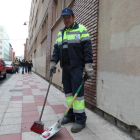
{"x":9,"y":66}
{"x":2,"y":68}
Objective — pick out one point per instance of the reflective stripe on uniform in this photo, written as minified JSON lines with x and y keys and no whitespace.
{"x":85,"y":38}
{"x":65,"y":40}
{"x":79,"y":106}
{"x":78,"y":111}
{"x":59,"y":36}
{"x":65,"y":46}
{"x":79,"y":98}
{"x":68,"y":94}
{"x":85,"y":32}
{"x":59,"y":43}
{"x":73,"y":33}
{"x":74,"y":41}
{"x":69,"y":99}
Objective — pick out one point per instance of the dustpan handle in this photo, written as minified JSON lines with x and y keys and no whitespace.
{"x":51,"y":75}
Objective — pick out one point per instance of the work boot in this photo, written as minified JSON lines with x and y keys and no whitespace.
{"x":77,"y":128}
{"x":67,"y":120}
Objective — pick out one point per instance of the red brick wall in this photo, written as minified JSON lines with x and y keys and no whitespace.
{"x":48,"y":45}
{"x":86,"y":13}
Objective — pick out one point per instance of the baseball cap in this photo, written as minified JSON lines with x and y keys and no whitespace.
{"x":67,"y":11}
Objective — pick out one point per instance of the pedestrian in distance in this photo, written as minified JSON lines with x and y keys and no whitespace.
{"x":26,"y":66}
{"x":16,"y":65}
{"x":19,"y":65}
{"x":74,"y":51}
{"x":23,"y":65}
{"x":30,"y":65}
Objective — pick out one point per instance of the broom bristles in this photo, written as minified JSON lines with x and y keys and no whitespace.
{"x":38,"y":128}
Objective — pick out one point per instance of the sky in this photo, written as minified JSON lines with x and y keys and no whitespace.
{"x":13,"y":14}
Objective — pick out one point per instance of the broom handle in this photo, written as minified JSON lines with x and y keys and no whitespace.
{"x":46,"y":97}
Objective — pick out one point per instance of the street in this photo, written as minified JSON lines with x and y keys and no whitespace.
{"x":2,"y":79}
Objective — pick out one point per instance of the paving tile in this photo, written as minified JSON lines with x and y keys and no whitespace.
{"x":109,"y":136}
{"x":26,"y":86}
{"x":33,"y":87}
{"x":30,"y":80}
{"x":86,"y":130}
{"x":31,"y":108}
{"x":15,"y":105}
{"x":25,"y":127}
{"x":49,"y":117}
{"x":28,"y":105}
{"x":43,"y":89}
{"x":12,"y":115}
{"x":39,"y":97}
{"x":25,"y":83}
{"x":27,"y":93}
{"x":124,"y":135}
{"x":14,"y":110}
{"x":1,"y":115}
{"x":86,"y":137}
{"x":16,"y":98}
{"x":10,"y":129}
{"x":54,"y":102}
{"x":10,"y":137}
{"x":17,"y":94}
{"x":41,"y":103}
{"x":18,"y":86}
{"x":58,"y":108}
{"x":3,"y":106}
{"x":26,"y":90}
{"x":28,"y":101}
{"x":10,"y":121}
{"x":2,"y":110}
{"x":30,"y":119}
{"x":30,"y":113}
{"x":30,"y":136}
{"x":16,"y":102}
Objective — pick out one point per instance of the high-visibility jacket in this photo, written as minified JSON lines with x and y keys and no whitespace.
{"x":78,"y":44}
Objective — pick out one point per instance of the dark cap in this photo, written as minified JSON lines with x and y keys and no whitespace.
{"x":67,"y":11}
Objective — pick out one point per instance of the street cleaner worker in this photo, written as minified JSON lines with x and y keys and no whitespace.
{"x":73,"y":49}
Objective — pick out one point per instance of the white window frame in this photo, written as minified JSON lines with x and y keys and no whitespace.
{"x":63,"y":4}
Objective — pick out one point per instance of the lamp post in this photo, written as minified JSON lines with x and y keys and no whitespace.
{"x":25,"y":23}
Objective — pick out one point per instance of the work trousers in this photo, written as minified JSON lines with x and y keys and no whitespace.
{"x":16,"y":70}
{"x":71,"y":79}
{"x":29,"y":69}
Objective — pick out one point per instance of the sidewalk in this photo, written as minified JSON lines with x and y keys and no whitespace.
{"x":21,"y":100}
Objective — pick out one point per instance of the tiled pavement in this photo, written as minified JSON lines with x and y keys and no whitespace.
{"x":21,"y":100}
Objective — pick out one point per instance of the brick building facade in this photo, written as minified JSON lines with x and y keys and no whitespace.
{"x":86,"y":13}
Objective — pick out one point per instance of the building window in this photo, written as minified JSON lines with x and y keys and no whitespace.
{"x":0,"y":53}
{"x":0,"y":36}
{"x":56,"y":9}
{"x":0,"y":47}
{"x":0,"y":41}
{"x":1,"y":30}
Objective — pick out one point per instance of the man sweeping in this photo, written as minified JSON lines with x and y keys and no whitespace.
{"x":73,"y":49}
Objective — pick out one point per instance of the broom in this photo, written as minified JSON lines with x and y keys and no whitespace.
{"x":38,"y":126}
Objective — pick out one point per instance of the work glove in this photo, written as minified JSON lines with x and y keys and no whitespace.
{"x":52,"y":67}
{"x":89,"y":70}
